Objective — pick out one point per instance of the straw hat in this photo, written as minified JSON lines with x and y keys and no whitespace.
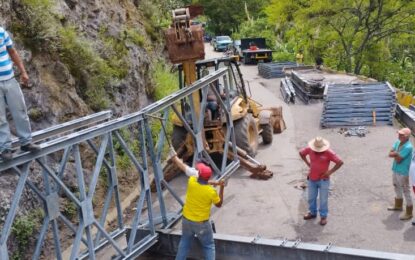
{"x":319,"y":144}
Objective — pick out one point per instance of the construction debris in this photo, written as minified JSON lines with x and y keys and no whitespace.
{"x":359,"y":131}
{"x":273,"y":70}
{"x":358,"y":104}
{"x":287,"y":91}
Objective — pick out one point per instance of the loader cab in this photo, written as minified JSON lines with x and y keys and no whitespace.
{"x":233,"y":81}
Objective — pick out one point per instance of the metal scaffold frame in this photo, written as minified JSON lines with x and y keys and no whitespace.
{"x":68,"y":141}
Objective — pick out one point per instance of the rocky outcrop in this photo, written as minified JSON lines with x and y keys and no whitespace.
{"x":57,"y":94}
{"x":78,"y":52}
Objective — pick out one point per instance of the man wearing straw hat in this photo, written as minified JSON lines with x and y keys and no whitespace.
{"x":402,"y":154}
{"x":320,"y":157}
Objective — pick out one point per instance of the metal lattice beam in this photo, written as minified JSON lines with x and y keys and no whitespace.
{"x":98,"y":135}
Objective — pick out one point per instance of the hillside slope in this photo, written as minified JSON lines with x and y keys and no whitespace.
{"x":83,"y":56}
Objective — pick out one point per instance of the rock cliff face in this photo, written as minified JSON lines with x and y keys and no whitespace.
{"x":105,"y":28}
{"x":82,"y":56}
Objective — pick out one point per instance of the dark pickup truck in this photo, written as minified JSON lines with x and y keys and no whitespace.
{"x":254,"y":50}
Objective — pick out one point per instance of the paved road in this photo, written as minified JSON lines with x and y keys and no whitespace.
{"x":360,"y":193}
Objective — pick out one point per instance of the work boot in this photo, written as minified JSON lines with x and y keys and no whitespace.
{"x":309,"y":216}
{"x":407,"y":214}
{"x":323,"y":221}
{"x":6,"y":155}
{"x":30,"y":147}
{"x":398,"y":204}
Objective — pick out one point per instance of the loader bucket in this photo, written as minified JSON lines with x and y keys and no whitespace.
{"x":183,"y":46}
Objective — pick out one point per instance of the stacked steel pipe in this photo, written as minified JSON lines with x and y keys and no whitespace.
{"x":358,"y":104}
{"x":306,"y":88}
{"x":309,"y":82}
{"x":273,"y":70}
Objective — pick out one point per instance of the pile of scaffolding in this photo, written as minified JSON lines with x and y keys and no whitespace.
{"x":358,"y":104}
{"x":273,"y":70}
{"x":287,"y":91}
{"x":305,"y":88}
{"x":309,"y":83}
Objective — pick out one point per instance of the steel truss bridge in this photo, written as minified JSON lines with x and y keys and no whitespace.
{"x":100,"y":135}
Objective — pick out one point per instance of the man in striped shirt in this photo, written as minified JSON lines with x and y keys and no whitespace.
{"x":11,"y":95}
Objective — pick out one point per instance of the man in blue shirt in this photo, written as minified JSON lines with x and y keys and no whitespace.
{"x":11,"y":95}
{"x":402,"y":155}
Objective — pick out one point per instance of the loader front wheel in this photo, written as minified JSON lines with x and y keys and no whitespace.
{"x":267,"y":133}
{"x":246,"y":135}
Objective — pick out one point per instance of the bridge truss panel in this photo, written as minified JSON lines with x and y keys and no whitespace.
{"x":105,"y":139}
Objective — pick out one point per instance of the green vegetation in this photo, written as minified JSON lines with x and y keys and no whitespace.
{"x":360,"y":37}
{"x":130,"y":137}
{"x":135,"y":37}
{"x":23,"y":229}
{"x":116,"y":55}
{"x":37,"y":25}
{"x":157,"y":14}
{"x":165,"y":81}
{"x":371,"y":38}
{"x":256,"y":28}
{"x":226,"y":17}
{"x":95,"y":68}
{"x":86,"y":64}
{"x":35,"y":113}
{"x":69,"y":209}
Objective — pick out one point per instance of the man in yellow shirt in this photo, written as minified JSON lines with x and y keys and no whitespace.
{"x":200,"y":196}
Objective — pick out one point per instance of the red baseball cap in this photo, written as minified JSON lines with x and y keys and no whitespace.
{"x":205,"y":172}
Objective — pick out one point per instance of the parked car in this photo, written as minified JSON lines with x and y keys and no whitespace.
{"x":213,"y":40}
{"x":221,"y":43}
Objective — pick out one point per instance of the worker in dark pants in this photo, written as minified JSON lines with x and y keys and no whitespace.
{"x":200,"y":196}
{"x":319,"y":62}
{"x":11,"y":95}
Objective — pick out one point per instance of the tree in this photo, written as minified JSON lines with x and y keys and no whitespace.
{"x":351,"y":26}
{"x":256,"y":28}
{"x":225,"y":16}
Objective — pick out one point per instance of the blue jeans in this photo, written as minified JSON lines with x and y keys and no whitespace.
{"x":203,"y":232}
{"x":11,"y":95}
{"x":314,"y":188}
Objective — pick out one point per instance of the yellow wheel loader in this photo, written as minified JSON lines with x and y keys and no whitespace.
{"x":185,"y":47}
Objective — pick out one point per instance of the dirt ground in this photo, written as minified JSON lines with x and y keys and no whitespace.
{"x":360,"y":191}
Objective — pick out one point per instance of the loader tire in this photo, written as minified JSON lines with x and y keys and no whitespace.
{"x":267,"y":133}
{"x":178,"y":136}
{"x":246,"y":135}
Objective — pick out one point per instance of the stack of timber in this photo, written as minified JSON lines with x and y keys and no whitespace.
{"x":358,"y":104}
{"x":287,"y":91}
{"x":406,"y":116}
{"x":309,"y":83}
{"x":273,"y":70}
